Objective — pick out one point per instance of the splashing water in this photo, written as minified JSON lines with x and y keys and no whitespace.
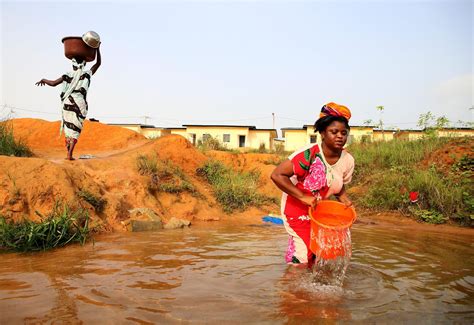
{"x":333,"y":253}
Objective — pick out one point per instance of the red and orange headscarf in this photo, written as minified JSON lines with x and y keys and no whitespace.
{"x":333,"y":109}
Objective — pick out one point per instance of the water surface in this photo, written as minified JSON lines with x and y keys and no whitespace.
{"x":216,"y":273}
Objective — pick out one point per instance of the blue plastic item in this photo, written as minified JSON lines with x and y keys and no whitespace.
{"x":275,"y":220}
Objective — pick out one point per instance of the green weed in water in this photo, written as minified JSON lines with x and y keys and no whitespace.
{"x":60,"y":227}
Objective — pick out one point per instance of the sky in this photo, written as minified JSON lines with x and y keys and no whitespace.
{"x":261,"y":63}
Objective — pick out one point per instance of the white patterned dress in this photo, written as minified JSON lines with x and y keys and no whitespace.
{"x":74,"y":107}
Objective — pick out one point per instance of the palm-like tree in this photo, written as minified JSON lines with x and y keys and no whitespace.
{"x":381,"y":109}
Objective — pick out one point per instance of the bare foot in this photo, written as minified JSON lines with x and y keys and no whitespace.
{"x":70,"y":158}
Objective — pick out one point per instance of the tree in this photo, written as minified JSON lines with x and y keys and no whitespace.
{"x":442,"y":122}
{"x":465,"y":124}
{"x":368,"y":122}
{"x":381,"y":109}
{"x":425,"y":120}
{"x":430,"y":123}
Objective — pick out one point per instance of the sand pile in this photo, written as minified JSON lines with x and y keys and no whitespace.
{"x":44,"y":135}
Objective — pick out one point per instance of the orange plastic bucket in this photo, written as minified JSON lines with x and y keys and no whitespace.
{"x":334,"y":217}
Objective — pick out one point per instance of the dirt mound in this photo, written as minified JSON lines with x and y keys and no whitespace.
{"x":44,"y":135}
{"x":445,"y":157}
{"x":28,"y":185}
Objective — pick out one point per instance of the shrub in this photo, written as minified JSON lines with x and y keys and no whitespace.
{"x":436,"y":192}
{"x":59,"y":228}
{"x":9,"y":146}
{"x":385,"y":193}
{"x":430,"y":216}
{"x":164,"y":176}
{"x":147,"y":165}
{"x":211,"y":143}
{"x":233,"y":190}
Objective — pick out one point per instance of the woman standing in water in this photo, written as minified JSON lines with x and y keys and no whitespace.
{"x":74,"y":99}
{"x":313,"y":173}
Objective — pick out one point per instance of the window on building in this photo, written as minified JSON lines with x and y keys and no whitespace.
{"x":192,"y":138}
{"x":313,"y":138}
{"x":226,"y":138}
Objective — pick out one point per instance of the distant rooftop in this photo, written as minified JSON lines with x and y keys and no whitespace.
{"x":252,"y":127}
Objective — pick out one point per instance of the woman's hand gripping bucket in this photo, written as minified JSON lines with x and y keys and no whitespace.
{"x":330,"y":221}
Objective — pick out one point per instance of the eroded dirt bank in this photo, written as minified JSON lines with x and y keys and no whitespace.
{"x":36,"y":184}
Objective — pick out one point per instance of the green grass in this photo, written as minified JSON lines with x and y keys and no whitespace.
{"x":164,"y":176}
{"x":392,"y":154}
{"x":233,"y":190}
{"x":147,"y":165}
{"x":211,"y":143}
{"x":60,"y":227}
{"x":388,"y":171}
{"x":9,"y":146}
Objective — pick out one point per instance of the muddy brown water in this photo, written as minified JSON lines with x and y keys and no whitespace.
{"x":236,"y":274}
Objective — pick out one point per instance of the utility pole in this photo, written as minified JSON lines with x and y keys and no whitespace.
{"x":273,"y":123}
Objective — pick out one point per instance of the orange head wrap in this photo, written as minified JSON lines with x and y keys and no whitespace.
{"x":333,"y":109}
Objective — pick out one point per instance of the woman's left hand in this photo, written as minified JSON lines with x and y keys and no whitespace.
{"x":345,"y":200}
{"x":348,"y":203}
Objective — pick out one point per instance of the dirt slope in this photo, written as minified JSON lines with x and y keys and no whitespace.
{"x":35,"y":184}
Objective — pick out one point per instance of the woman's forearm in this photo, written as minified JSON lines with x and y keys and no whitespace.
{"x":343,"y":197}
{"x":98,"y":62}
{"x":52,"y":83}
{"x":284,"y":184}
{"x":281,"y":177}
{"x":49,"y":82}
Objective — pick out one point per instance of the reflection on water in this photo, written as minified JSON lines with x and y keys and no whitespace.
{"x":237,"y":274}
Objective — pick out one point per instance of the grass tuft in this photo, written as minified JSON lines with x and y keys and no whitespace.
{"x":233,"y":190}
{"x":60,"y":227}
{"x":211,"y":143}
{"x":147,"y":165}
{"x":164,"y":176}
{"x":9,"y":146}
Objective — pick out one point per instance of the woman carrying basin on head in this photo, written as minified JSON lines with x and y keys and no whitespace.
{"x":313,"y":173}
{"x":74,"y":99}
